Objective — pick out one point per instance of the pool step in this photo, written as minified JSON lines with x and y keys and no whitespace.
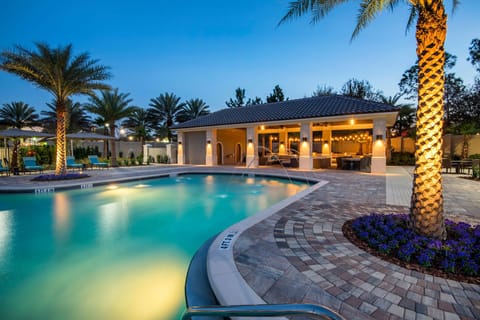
{"x":197,"y":286}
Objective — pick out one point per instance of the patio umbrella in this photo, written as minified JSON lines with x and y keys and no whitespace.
{"x":88,"y":136}
{"x":19,"y":133}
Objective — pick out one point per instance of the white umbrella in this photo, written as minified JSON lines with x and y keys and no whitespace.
{"x":19,"y":133}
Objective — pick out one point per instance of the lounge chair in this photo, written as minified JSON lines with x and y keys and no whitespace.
{"x":30,"y":164}
{"x":71,"y":164}
{"x":95,"y":163}
{"x":5,"y":169}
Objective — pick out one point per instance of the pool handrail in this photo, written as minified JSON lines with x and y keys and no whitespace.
{"x":263,"y":310}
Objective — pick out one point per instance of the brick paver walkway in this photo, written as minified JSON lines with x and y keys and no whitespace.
{"x":299,"y":255}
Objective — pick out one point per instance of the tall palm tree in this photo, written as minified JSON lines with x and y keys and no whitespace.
{"x":426,"y":210}
{"x":193,"y":109}
{"x":111,"y":107}
{"x":164,"y":110}
{"x":139,"y":121}
{"x":17,"y":114}
{"x":76,"y":117}
{"x":61,"y":74}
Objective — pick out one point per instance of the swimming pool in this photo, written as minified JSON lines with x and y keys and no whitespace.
{"x":117,"y":251}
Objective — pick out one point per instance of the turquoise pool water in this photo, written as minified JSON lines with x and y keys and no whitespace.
{"x":118,"y":251}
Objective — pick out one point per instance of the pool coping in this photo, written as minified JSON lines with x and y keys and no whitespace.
{"x":227,"y":283}
{"x":53,"y":186}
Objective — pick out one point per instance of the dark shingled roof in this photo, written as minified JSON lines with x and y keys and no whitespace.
{"x":315,"y":107}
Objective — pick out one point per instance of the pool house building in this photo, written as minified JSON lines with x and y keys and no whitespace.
{"x":320,"y":132}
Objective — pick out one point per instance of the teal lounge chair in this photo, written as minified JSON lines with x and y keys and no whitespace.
{"x":95,"y":163}
{"x":3,"y":169}
{"x":71,"y":164}
{"x":30,"y":164}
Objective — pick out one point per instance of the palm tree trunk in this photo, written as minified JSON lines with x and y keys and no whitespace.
{"x":426,"y":211}
{"x":113,"y":148}
{"x":465,"y":146}
{"x":14,"y":163}
{"x":61,"y":166}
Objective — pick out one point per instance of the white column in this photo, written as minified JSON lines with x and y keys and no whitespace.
{"x":306,"y":161}
{"x":211,"y":148}
{"x":252,"y":148}
{"x":146,"y":153}
{"x":379,"y":159}
{"x":283,"y":135}
{"x":180,"y":154}
{"x":326,"y":142}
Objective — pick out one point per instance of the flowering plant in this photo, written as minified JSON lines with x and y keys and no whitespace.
{"x":53,"y":177}
{"x":390,"y":235}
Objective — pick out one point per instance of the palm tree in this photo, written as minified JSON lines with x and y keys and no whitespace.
{"x":139,"y":121}
{"x":193,"y":109}
{"x":164,"y":110}
{"x":111,"y":107}
{"x":61,"y":74}
{"x":426,"y":211}
{"x":405,"y":118}
{"x":17,"y":114}
{"x":76,"y":117}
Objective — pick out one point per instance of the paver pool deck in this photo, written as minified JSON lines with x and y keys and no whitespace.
{"x":299,"y":254}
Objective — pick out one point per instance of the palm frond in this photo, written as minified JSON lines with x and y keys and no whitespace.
{"x":411,"y":18}
{"x":369,"y":9}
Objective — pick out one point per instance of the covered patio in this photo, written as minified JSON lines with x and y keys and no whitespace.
{"x":310,"y":133}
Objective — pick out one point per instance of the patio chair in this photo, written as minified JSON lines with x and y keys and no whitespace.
{"x":94,"y":162}
{"x":71,"y":164}
{"x":447,"y":165}
{"x":30,"y":164}
{"x":5,"y":169}
{"x":365,"y":164}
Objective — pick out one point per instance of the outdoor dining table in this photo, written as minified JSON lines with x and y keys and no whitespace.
{"x":461,"y":165}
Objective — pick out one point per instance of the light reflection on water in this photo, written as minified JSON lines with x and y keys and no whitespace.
{"x":119,"y":251}
{"x":141,"y":287}
{"x":6,"y":233}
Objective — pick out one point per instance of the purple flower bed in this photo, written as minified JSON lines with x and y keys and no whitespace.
{"x":53,"y":177}
{"x":389,"y":234}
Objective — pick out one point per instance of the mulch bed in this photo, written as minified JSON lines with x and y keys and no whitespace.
{"x":352,"y":237}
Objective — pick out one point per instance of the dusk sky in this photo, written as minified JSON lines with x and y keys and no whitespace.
{"x":206,"y":49}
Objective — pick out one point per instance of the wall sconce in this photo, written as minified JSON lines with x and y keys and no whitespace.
{"x":325,"y":143}
{"x":209,"y":142}
{"x":304,"y":139}
{"x":250,"y":141}
{"x":379,"y":137}
{"x":281,"y":143}
{"x":179,"y":143}
{"x":352,"y":122}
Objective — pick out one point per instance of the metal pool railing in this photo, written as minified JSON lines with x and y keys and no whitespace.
{"x":264,"y":310}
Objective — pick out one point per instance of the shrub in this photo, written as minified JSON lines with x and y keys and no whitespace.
{"x":402,"y":159}
{"x":476,"y":172}
{"x":140,"y":158}
{"x":162,"y":158}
